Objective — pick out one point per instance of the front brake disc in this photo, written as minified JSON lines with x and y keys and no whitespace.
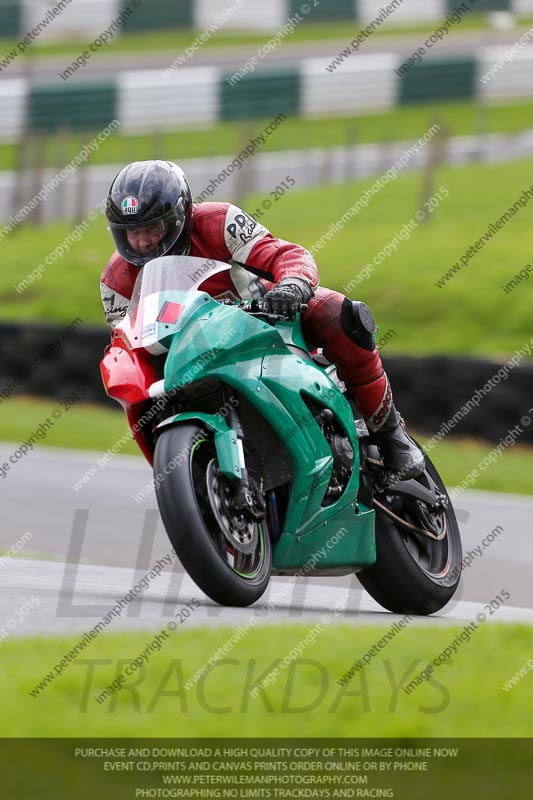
{"x":240,"y":533}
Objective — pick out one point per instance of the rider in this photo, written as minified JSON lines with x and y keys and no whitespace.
{"x":151,"y":213}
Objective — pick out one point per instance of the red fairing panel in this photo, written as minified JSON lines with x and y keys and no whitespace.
{"x":127,"y":376}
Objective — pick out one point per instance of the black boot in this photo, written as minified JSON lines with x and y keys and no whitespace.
{"x":401,"y":457}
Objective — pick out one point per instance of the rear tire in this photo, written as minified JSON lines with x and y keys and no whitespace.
{"x":414,"y":574}
{"x":229,"y":558}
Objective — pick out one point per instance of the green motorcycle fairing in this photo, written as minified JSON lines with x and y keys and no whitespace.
{"x":252,"y":356}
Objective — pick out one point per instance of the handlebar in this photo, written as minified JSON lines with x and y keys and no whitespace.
{"x":254,"y":309}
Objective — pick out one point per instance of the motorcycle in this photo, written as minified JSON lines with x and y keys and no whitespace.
{"x":262,"y":464}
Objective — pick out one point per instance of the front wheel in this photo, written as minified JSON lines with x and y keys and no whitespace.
{"x":227,"y":554}
{"x":419,"y":554}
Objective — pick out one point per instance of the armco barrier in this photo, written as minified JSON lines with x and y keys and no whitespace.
{"x":84,"y":18}
{"x":201,"y":97}
{"x":428,"y":390}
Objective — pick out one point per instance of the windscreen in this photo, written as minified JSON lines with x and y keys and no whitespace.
{"x":183,"y":273}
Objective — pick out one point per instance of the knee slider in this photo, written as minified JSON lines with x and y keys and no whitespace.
{"x":358,"y":323}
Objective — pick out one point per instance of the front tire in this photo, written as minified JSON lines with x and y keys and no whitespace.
{"x":226,"y":555}
{"x":414,"y":574}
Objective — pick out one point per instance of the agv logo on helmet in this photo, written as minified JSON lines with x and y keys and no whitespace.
{"x":130,"y":205}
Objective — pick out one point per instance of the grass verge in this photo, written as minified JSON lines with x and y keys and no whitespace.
{"x":87,"y":427}
{"x":471,"y":314}
{"x":305,"y":696}
{"x":229,"y":138}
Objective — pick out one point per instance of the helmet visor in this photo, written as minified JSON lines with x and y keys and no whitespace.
{"x":140,"y":243}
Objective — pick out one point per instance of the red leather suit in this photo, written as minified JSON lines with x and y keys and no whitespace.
{"x":225,"y":233}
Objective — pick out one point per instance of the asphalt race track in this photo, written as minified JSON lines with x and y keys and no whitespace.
{"x":47,"y":69}
{"x":89,"y":547}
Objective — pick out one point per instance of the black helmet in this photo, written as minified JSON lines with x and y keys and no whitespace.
{"x":155,"y":195}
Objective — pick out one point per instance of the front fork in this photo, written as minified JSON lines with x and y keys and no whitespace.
{"x":243,"y":498}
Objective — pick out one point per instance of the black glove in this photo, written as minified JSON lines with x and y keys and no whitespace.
{"x":287,"y":297}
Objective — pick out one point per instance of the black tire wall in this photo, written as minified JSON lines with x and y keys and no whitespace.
{"x":428,"y":391}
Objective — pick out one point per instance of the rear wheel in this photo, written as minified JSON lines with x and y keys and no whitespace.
{"x":226,"y":553}
{"x":418,"y":564}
